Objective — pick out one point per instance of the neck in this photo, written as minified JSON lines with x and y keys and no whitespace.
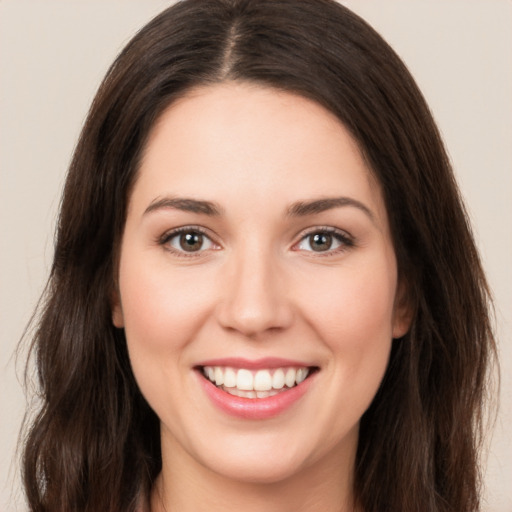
{"x":185,"y":485}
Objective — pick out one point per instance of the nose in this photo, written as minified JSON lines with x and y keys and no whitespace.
{"x":255,"y":299}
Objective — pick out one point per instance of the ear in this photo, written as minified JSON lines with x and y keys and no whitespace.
{"x":403,"y":311}
{"x":117,"y":310}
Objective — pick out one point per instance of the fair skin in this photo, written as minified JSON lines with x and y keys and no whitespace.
{"x":269,"y":274}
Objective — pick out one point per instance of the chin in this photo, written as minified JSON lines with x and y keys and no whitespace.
{"x":257,"y":472}
{"x":272,"y":461}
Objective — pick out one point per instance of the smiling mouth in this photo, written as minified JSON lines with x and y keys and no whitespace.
{"x":262,"y":383}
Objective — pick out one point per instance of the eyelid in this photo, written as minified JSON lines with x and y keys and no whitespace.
{"x":346,"y":239}
{"x":164,"y":239}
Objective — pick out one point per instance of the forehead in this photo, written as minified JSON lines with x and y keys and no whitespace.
{"x":236,"y":138}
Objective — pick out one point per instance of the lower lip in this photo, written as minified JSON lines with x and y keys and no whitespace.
{"x":254,"y":408}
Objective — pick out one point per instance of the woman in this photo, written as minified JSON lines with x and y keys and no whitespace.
{"x":260,"y":203}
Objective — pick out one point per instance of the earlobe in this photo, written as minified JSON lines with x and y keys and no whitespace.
{"x":403,"y":313}
{"x":401,"y":323}
{"x":117,"y":311}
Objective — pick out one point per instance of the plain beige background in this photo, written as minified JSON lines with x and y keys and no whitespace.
{"x":53,"y":55}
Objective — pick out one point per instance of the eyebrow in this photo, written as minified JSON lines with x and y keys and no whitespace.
{"x":184,"y":204}
{"x":298,"y":209}
{"x":303,"y":208}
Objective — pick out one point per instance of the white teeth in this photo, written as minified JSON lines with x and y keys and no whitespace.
{"x":301,"y":375}
{"x":262,"y":381}
{"x":243,"y":394}
{"x":229,"y":378}
{"x":289,"y":378}
{"x":219,"y":376}
{"x":255,"y":384}
{"x":244,"y":380}
{"x":278,"y":379}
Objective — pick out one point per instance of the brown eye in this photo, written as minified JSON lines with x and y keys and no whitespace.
{"x":191,"y":241}
{"x":320,"y":241}
{"x":325,"y":241}
{"x":187,"y":241}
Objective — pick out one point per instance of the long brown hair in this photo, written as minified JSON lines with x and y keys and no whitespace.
{"x":94,"y":444}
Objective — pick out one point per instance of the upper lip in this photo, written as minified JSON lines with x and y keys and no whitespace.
{"x":254,"y":364}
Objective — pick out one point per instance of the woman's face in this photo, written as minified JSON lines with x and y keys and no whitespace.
{"x":256,"y":252}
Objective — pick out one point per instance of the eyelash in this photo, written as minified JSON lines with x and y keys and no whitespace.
{"x":346,"y":241}
{"x":169,"y":235}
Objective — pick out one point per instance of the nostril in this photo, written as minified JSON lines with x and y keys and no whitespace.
{"x":253,"y":299}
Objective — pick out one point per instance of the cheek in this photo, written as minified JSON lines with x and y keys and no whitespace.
{"x":162,"y":312}
{"x":354,"y":307}
{"x":353,"y":315}
{"x":161,"y":309}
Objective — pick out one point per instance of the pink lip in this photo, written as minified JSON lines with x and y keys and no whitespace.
{"x":254,"y":408}
{"x":255,"y":364}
